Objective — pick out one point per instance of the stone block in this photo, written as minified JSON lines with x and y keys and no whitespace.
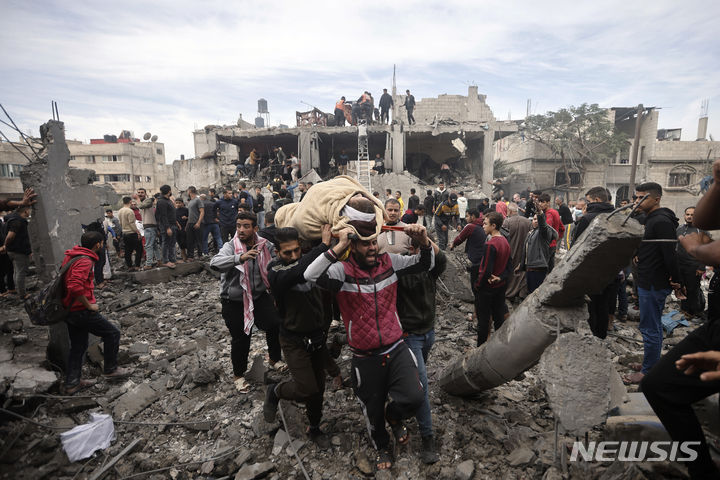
{"x":136,"y":400}
{"x":635,"y":428}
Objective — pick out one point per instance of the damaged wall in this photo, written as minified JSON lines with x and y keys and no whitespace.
{"x":198,"y":172}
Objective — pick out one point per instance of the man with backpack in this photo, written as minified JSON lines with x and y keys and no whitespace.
{"x":83,"y":317}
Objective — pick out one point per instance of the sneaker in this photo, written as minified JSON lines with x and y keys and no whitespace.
{"x":428,"y":455}
{"x":271,"y":403}
{"x":319,"y":438}
{"x":119,"y":372}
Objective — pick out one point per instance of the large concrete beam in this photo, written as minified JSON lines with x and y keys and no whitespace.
{"x":67,"y":199}
{"x":604,"y":248}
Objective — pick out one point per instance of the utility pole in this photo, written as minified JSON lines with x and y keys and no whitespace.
{"x":636,"y":148}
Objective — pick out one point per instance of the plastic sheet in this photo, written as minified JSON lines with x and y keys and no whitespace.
{"x":84,"y":440}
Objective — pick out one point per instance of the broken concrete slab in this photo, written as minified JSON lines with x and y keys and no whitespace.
{"x":555,"y":307}
{"x":465,"y":470}
{"x":136,"y":400}
{"x":256,"y":470}
{"x":163,"y":274}
{"x":631,"y":428}
{"x":26,"y":380}
{"x":257,"y":371}
{"x":575,"y":371}
{"x":521,"y":456}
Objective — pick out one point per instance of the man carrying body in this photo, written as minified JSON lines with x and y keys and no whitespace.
{"x":386,"y":103}
{"x":392,"y":241}
{"x":691,"y":269}
{"x":416,"y":308}
{"x":245,"y":296}
{"x":147,"y":211}
{"x":366,"y":287}
{"x":167,"y":225}
{"x":302,"y":331}
{"x":193,"y":230}
{"x":132,"y":240}
{"x":84,"y":318}
{"x":658,"y":273}
{"x":227,"y":213}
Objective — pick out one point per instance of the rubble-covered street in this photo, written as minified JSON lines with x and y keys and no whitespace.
{"x":182,"y":417}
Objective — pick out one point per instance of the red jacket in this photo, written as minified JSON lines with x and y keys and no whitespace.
{"x":79,"y":278}
{"x":553,"y":219}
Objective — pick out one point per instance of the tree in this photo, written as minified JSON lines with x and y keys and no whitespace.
{"x":576,"y":135}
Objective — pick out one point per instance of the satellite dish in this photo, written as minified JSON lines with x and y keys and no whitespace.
{"x":154,"y":138}
{"x":146,"y":136}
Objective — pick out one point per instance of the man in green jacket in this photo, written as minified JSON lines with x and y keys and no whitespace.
{"x":416,"y":308}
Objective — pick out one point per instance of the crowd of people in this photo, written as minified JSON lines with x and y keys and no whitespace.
{"x":363,"y":109}
{"x":383,"y":288}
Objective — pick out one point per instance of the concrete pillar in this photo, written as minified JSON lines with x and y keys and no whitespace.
{"x":67,"y":199}
{"x":397,"y":138}
{"x":557,"y":305}
{"x":308,"y":150}
{"x":488,"y":161}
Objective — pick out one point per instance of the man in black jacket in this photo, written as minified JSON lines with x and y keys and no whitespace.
{"x":410,"y":106}
{"x":416,"y":309}
{"x":564,"y":211}
{"x":691,"y":269}
{"x":17,"y":246}
{"x":429,"y":203}
{"x":302,"y":331}
{"x":167,"y":226}
{"x":657,"y":273}
{"x":602,"y":304}
{"x":386,"y":103}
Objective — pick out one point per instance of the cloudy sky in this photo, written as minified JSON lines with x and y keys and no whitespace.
{"x":170,"y":67}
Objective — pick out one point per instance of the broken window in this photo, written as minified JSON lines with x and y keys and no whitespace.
{"x":560,"y":179}
{"x":10,"y":170}
{"x":137,"y":178}
{"x":159,"y":151}
{"x":147,"y":179}
{"x":681,"y":176}
{"x":112,"y":158}
{"x":117,"y":177}
{"x":95,"y":177}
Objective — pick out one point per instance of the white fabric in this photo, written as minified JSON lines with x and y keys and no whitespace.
{"x":84,"y":440}
{"x":353,"y":214}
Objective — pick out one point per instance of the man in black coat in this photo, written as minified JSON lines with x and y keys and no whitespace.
{"x":386,"y":103}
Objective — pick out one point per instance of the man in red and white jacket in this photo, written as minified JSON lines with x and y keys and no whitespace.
{"x":366,"y":286}
{"x":84,"y":318}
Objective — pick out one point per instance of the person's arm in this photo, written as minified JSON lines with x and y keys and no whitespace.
{"x":8,"y":239}
{"x":707,"y":215}
{"x":487,"y":264}
{"x":75,"y":279}
{"x":200,"y":218}
{"x":226,"y":258}
{"x":702,"y":247}
{"x":440,"y":263}
{"x":463,"y":235}
{"x":147,"y":203}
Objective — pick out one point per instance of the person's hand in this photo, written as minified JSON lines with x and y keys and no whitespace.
{"x":3,"y":249}
{"x":444,"y":228}
{"x":459,"y":228}
{"x":184,"y":217}
{"x":517,"y":269}
{"x":493,"y":279}
{"x":196,"y":226}
{"x":169,"y":232}
{"x":707,"y":362}
{"x":326,"y":234}
{"x":635,"y":260}
{"x":452,"y":247}
{"x":692,"y":241}
{"x":418,"y":232}
{"x":250,"y":254}
{"x":343,"y":240}
{"x":29,"y":197}
{"x":93,"y":307}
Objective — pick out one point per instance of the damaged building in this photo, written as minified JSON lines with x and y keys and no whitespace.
{"x":678,"y":166}
{"x":420,"y":148}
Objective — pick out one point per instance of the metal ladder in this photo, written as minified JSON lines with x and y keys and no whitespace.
{"x":363,"y":167}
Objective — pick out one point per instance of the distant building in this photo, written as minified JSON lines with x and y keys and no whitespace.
{"x":124,"y":162}
{"x":678,"y":166}
{"x":11,"y":164}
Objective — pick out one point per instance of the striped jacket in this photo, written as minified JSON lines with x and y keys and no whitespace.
{"x":368,"y":297}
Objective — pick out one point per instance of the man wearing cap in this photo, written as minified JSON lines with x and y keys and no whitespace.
{"x":366,"y":288}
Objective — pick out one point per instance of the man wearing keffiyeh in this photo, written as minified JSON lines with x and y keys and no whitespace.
{"x":245,"y":296}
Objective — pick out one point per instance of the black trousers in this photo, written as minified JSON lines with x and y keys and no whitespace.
{"x":695,"y":301}
{"x":81,"y":323}
{"x":376,"y":377}
{"x":227,"y":232}
{"x":671,"y":394}
{"x":339,"y":117}
{"x":133,"y":243}
{"x":385,"y":115}
{"x":490,"y":303}
{"x":98,"y":268}
{"x":6,"y":273}
{"x":601,"y":306}
{"x":266,"y":318}
{"x":307,"y":384}
{"x":193,"y":240}
{"x":411,"y":119}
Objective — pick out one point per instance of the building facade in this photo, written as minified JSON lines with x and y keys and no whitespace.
{"x":678,"y":166}
{"x":11,"y":164}
{"x":125,"y":165}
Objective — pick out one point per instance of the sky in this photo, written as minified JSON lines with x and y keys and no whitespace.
{"x":171,"y":67}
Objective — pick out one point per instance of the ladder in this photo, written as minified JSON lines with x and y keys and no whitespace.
{"x":363,"y":167}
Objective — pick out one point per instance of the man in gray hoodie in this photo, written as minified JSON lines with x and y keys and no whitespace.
{"x":537,"y":251}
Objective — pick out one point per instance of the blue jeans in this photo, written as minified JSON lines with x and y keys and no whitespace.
{"x":152,"y":246}
{"x":420,"y":346}
{"x":214,"y":230}
{"x":168,"y":245}
{"x":651,"y":307}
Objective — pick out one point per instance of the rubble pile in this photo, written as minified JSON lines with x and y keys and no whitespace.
{"x":179,"y":416}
